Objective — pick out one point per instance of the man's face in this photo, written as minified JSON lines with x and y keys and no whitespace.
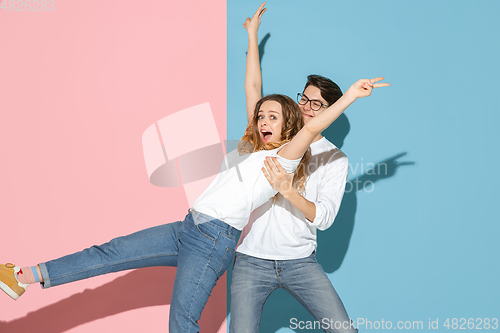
{"x":313,"y":94}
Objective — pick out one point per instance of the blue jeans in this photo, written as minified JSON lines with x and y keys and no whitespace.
{"x":200,"y":246}
{"x":254,"y":279}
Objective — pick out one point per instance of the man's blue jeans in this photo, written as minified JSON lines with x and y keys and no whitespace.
{"x":254,"y":279}
{"x":201,"y":250}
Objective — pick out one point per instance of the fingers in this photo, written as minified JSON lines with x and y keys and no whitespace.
{"x":367,"y":85}
{"x":261,"y":10}
{"x":270,"y":167}
{"x":268,"y":177}
{"x":378,"y":85}
{"x":376,"y":79}
{"x":365,"y":82}
{"x":256,"y":17}
{"x":364,"y":87}
{"x":267,"y":169}
{"x":278,"y":165}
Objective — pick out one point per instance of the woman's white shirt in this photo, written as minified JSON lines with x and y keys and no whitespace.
{"x":240,"y":187}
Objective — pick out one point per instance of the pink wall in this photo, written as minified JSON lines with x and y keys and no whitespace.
{"x":78,"y":87}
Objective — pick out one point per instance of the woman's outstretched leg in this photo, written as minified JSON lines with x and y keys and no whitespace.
{"x":157,"y":246}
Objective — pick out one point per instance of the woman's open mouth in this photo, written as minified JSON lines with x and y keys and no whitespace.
{"x":266,"y":135}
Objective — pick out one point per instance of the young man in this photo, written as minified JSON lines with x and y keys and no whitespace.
{"x":277,"y":248}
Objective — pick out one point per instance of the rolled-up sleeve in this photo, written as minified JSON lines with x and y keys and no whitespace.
{"x":289,"y":165}
{"x":331,"y":191}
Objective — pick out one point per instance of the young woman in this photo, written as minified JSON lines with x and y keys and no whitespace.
{"x":277,"y":248}
{"x":202,"y":245}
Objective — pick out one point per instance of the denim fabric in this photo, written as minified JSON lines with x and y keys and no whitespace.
{"x":202,"y":251}
{"x":254,"y":279}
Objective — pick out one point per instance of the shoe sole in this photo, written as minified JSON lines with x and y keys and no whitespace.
{"x":8,"y":291}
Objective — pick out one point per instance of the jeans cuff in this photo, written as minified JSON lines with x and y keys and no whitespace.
{"x":45,"y":275}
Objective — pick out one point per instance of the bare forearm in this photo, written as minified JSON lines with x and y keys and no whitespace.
{"x":321,"y":122}
{"x":299,"y":144}
{"x":305,"y":206}
{"x":360,"y":88}
{"x":253,"y":77}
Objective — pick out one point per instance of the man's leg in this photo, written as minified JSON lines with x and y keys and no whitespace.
{"x":253,"y":281}
{"x":305,"y":280}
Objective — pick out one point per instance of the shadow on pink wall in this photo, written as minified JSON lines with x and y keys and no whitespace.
{"x":116,"y":297}
{"x":122,"y":294}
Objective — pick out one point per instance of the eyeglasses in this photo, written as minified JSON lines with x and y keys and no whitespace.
{"x":314,"y":103}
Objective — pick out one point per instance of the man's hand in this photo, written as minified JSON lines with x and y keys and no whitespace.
{"x":279,"y":179}
{"x":282,"y":182}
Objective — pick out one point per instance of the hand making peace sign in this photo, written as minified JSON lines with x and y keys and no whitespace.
{"x":252,"y":24}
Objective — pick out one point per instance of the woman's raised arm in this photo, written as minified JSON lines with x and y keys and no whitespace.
{"x":253,"y":76}
{"x":299,"y":144}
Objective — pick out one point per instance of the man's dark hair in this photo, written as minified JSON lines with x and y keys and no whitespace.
{"x":330,"y":91}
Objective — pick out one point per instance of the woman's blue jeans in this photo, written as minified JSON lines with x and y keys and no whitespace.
{"x":201,"y":248}
{"x":254,"y":279}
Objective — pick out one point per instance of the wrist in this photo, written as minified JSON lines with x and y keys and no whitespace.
{"x":290,"y":193}
{"x":252,"y":35}
{"x":349,"y":97}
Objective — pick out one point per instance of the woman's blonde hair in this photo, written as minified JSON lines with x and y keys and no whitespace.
{"x":293,"y":121}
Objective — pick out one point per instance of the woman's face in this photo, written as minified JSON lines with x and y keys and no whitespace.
{"x":270,"y":121}
{"x":314,"y":95}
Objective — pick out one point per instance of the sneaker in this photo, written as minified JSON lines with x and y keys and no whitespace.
{"x":9,"y":283}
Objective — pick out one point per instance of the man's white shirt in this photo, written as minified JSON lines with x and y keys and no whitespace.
{"x":279,"y":231}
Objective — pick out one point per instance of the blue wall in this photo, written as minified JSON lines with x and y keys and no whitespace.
{"x":421,"y":240}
